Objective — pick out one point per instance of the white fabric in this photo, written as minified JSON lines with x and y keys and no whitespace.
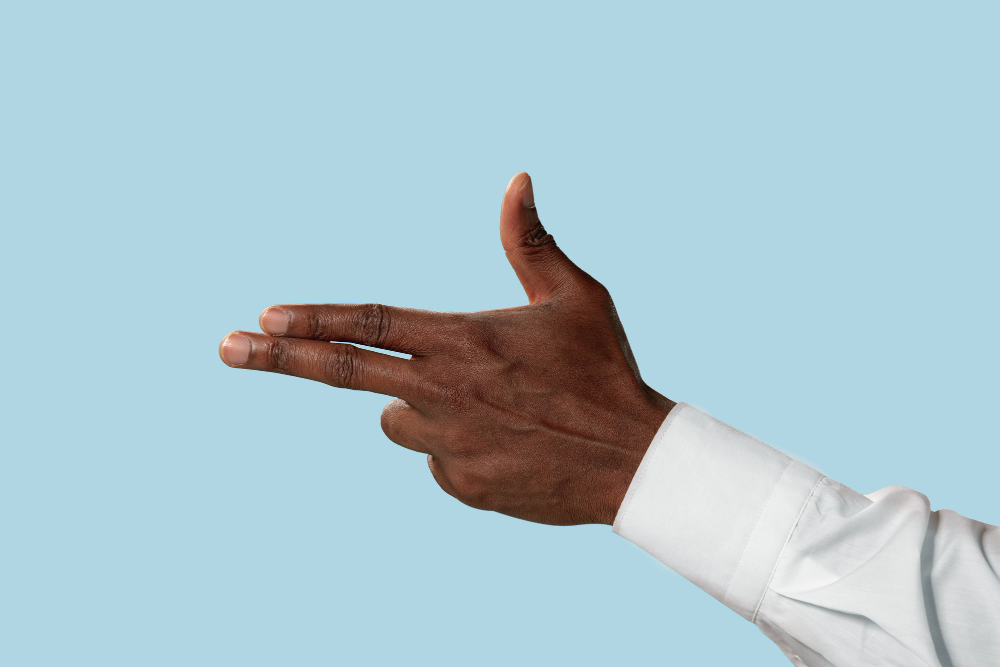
{"x":834,"y":577}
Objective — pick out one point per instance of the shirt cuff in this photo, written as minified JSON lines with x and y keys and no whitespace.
{"x":715,"y":505}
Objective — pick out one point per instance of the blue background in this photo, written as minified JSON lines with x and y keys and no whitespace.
{"x":795,"y":207}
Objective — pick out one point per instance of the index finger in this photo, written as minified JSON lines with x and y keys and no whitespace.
{"x":408,"y":330}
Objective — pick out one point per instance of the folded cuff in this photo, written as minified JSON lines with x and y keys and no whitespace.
{"x":715,"y":505}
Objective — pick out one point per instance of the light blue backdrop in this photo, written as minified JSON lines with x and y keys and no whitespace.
{"x":795,"y":208}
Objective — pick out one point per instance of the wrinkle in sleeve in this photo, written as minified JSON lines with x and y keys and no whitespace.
{"x":882,"y":579}
{"x":832,"y":576}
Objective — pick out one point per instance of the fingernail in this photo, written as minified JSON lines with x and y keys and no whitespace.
{"x":274,"y":321}
{"x":235,"y":349}
{"x":527,"y":193}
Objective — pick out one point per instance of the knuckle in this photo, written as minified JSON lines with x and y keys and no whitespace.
{"x":439,"y":476}
{"x":476,"y":337}
{"x":535,"y":238}
{"x":280,"y":354}
{"x":391,"y":416}
{"x":442,"y":478}
{"x":316,"y":324}
{"x":340,"y":368}
{"x":386,"y":421}
{"x":470,"y":489}
{"x":373,"y":324}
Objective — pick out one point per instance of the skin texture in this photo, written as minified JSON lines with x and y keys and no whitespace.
{"x":538,"y":412}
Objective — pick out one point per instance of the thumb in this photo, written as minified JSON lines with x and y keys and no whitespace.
{"x":541,"y":267}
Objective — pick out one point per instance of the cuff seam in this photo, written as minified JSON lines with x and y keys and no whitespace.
{"x":788,"y":538}
{"x":763,"y":507}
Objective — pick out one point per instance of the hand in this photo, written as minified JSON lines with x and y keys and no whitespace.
{"x":538,"y":411}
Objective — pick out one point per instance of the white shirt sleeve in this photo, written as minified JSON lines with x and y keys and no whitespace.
{"x":834,"y":577}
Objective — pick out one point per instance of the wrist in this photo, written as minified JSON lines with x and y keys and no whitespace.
{"x":621,"y":475}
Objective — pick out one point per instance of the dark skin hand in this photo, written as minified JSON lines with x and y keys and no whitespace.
{"x":538,"y":411}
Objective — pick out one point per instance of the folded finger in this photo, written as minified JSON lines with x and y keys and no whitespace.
{"x":406,"y":426}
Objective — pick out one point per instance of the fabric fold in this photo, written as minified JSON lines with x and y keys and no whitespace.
{"x":716,"y":505}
